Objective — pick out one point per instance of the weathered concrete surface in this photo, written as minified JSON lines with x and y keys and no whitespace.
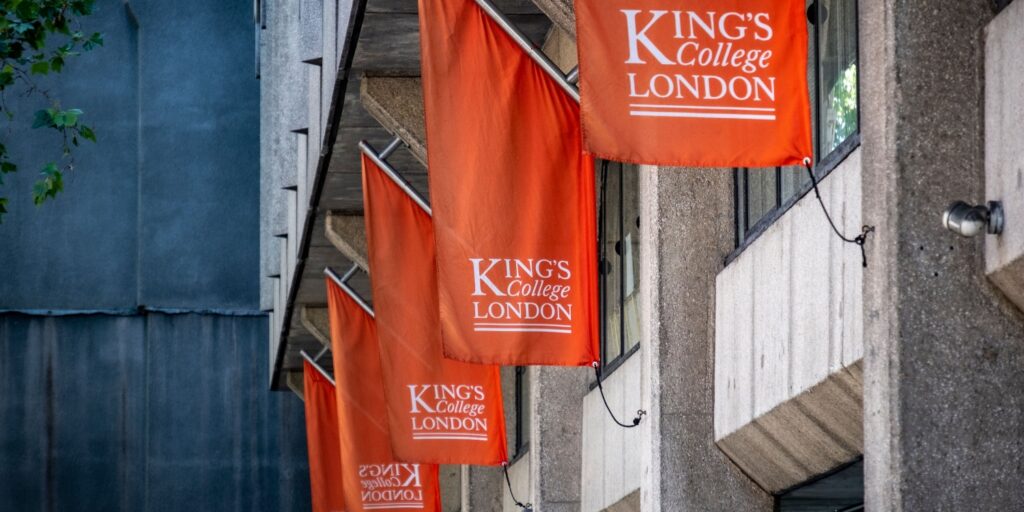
{"x":786,"y":321}
{"x":348,"y":234}
{"x":451,"y":488}
{"x":804,"y":437}
{"x":561,"y":12}
{"x":789,"y":340}
{"x":556,"y":404}
{"x":397,"y":104}
{"x":630,"y":503}
{"x":944,"y":350}
{"x":145,"y":413}
{"x":482,"y":489}
{"x":560,"y":47}
{"x":610,"y":462}
{"x":160,"y":212}
{"x":1004,"y":148}
{"x":688,"y":230}
{"x":317,"y":321}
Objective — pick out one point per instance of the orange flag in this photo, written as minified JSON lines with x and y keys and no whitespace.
{"x":703,"y":83}
{"x":441,"y":411}
{"x":513,"y":197}
{"x":322,"y":442}
{"x":373,"y":478}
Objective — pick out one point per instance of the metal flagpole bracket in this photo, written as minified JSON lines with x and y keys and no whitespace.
{"x":342,"y":282}
{"x":538,"y":56}
{"x":390,"y":148}
{"x":319,"y":368}
{"x":395,"y":176}
{"x":574,"y":75}
{"x":320,"y":354}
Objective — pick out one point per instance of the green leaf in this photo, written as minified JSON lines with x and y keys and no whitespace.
{"x":57,"y":64}
{"x":43,"y":118}
{"x":41,"y":68}
{"x":71,"y":117}
{"x":86,"y":133}
{"x":3,"y":208}
{"x":7,"y":167}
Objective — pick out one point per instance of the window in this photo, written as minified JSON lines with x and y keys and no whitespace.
{"x":618,"y":260}
{"x":762,"y":195}
{"x":521,"y":439}
{"x":840,"y":491}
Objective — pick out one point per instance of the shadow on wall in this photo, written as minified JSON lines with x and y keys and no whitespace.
{"x":145,"y":413}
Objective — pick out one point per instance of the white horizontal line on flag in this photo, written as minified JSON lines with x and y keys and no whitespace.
{"x":394,"y":505}
{"x":483,"y":324}
{"x":701,"y":107}
{"x":521,"y":329}
{"x":641,"y":113}
{"x":448,"y":438}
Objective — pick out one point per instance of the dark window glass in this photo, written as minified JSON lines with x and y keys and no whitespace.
{"x":522,"y":434}
{"x":832,"y":78}
{"x":619,"y":258}
{"x":842,"y":491}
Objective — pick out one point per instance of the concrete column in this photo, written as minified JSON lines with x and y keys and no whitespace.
{"x":944,"y":352}
{"x":556,"y":433}
{"x":687,"y":226}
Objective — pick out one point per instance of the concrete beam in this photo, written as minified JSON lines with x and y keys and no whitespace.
{"x":317,"y":322}
{"x":561,"y":12}
{"x":397,"y":104}
{"x":297,"y":383}
{"x":347,"y":233}
{"x":686,"y":235}
{"x":943,"y":347}
{"x":1004,"y":149}
{"x":804,"y":437}
{"x":560,"y":47}
{"x":556,"y":436}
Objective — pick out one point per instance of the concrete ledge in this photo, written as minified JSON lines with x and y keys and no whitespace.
{"x":297,"y":383}
{"x":317,"y":322}
{"x":804,"y":437}
{"x":348,"y":234}
{"x":397,"y":104}
{"x":1004,"y":150}
{"x":630,"y":503}
{"x":561,"y":12}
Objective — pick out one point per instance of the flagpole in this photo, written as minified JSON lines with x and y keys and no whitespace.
{"x":538,"y":56}
{"x":394,"y":175}
{"x":342,"y":282}
{"x":319,"y":368}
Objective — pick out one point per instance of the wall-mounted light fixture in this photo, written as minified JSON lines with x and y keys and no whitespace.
{"x":967,"y":220}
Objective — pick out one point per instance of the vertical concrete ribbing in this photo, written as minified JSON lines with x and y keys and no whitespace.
{"x":687,"y":231}
{"x":944,"y":354}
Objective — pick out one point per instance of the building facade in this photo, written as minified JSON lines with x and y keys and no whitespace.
{"x":131,"y":338}
{"x":777,"y":371}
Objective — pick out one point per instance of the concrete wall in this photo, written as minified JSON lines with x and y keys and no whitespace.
{"x":789,"y":341}
{"x":687,"y":231}
{"x":1004,"y":149}
{"x":519,"y":476}
{"x":152,"y":208}
{"x":145,"y":413}
{"x":788,"y":309}
{"x":944,"y":349}
{"x":106,"y":402}
{"x":611,"y":462}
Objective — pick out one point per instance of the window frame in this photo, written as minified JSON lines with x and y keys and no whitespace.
{"x":520,"y":442}
{"x":824,"y":166}
{"x":609,"y":366}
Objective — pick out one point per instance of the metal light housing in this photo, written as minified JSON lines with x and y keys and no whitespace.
{"x":972,"y":220}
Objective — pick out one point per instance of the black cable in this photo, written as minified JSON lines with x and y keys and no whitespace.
{"x":528,"y":507}
{"x":639,"y":414}
{"x":860,"y":239}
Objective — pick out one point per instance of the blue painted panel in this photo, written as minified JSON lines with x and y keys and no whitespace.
{"x":164,"y":211}
{"x":200,"y":182}
{"x":78,"y":251}
{"x":145,"y":413}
